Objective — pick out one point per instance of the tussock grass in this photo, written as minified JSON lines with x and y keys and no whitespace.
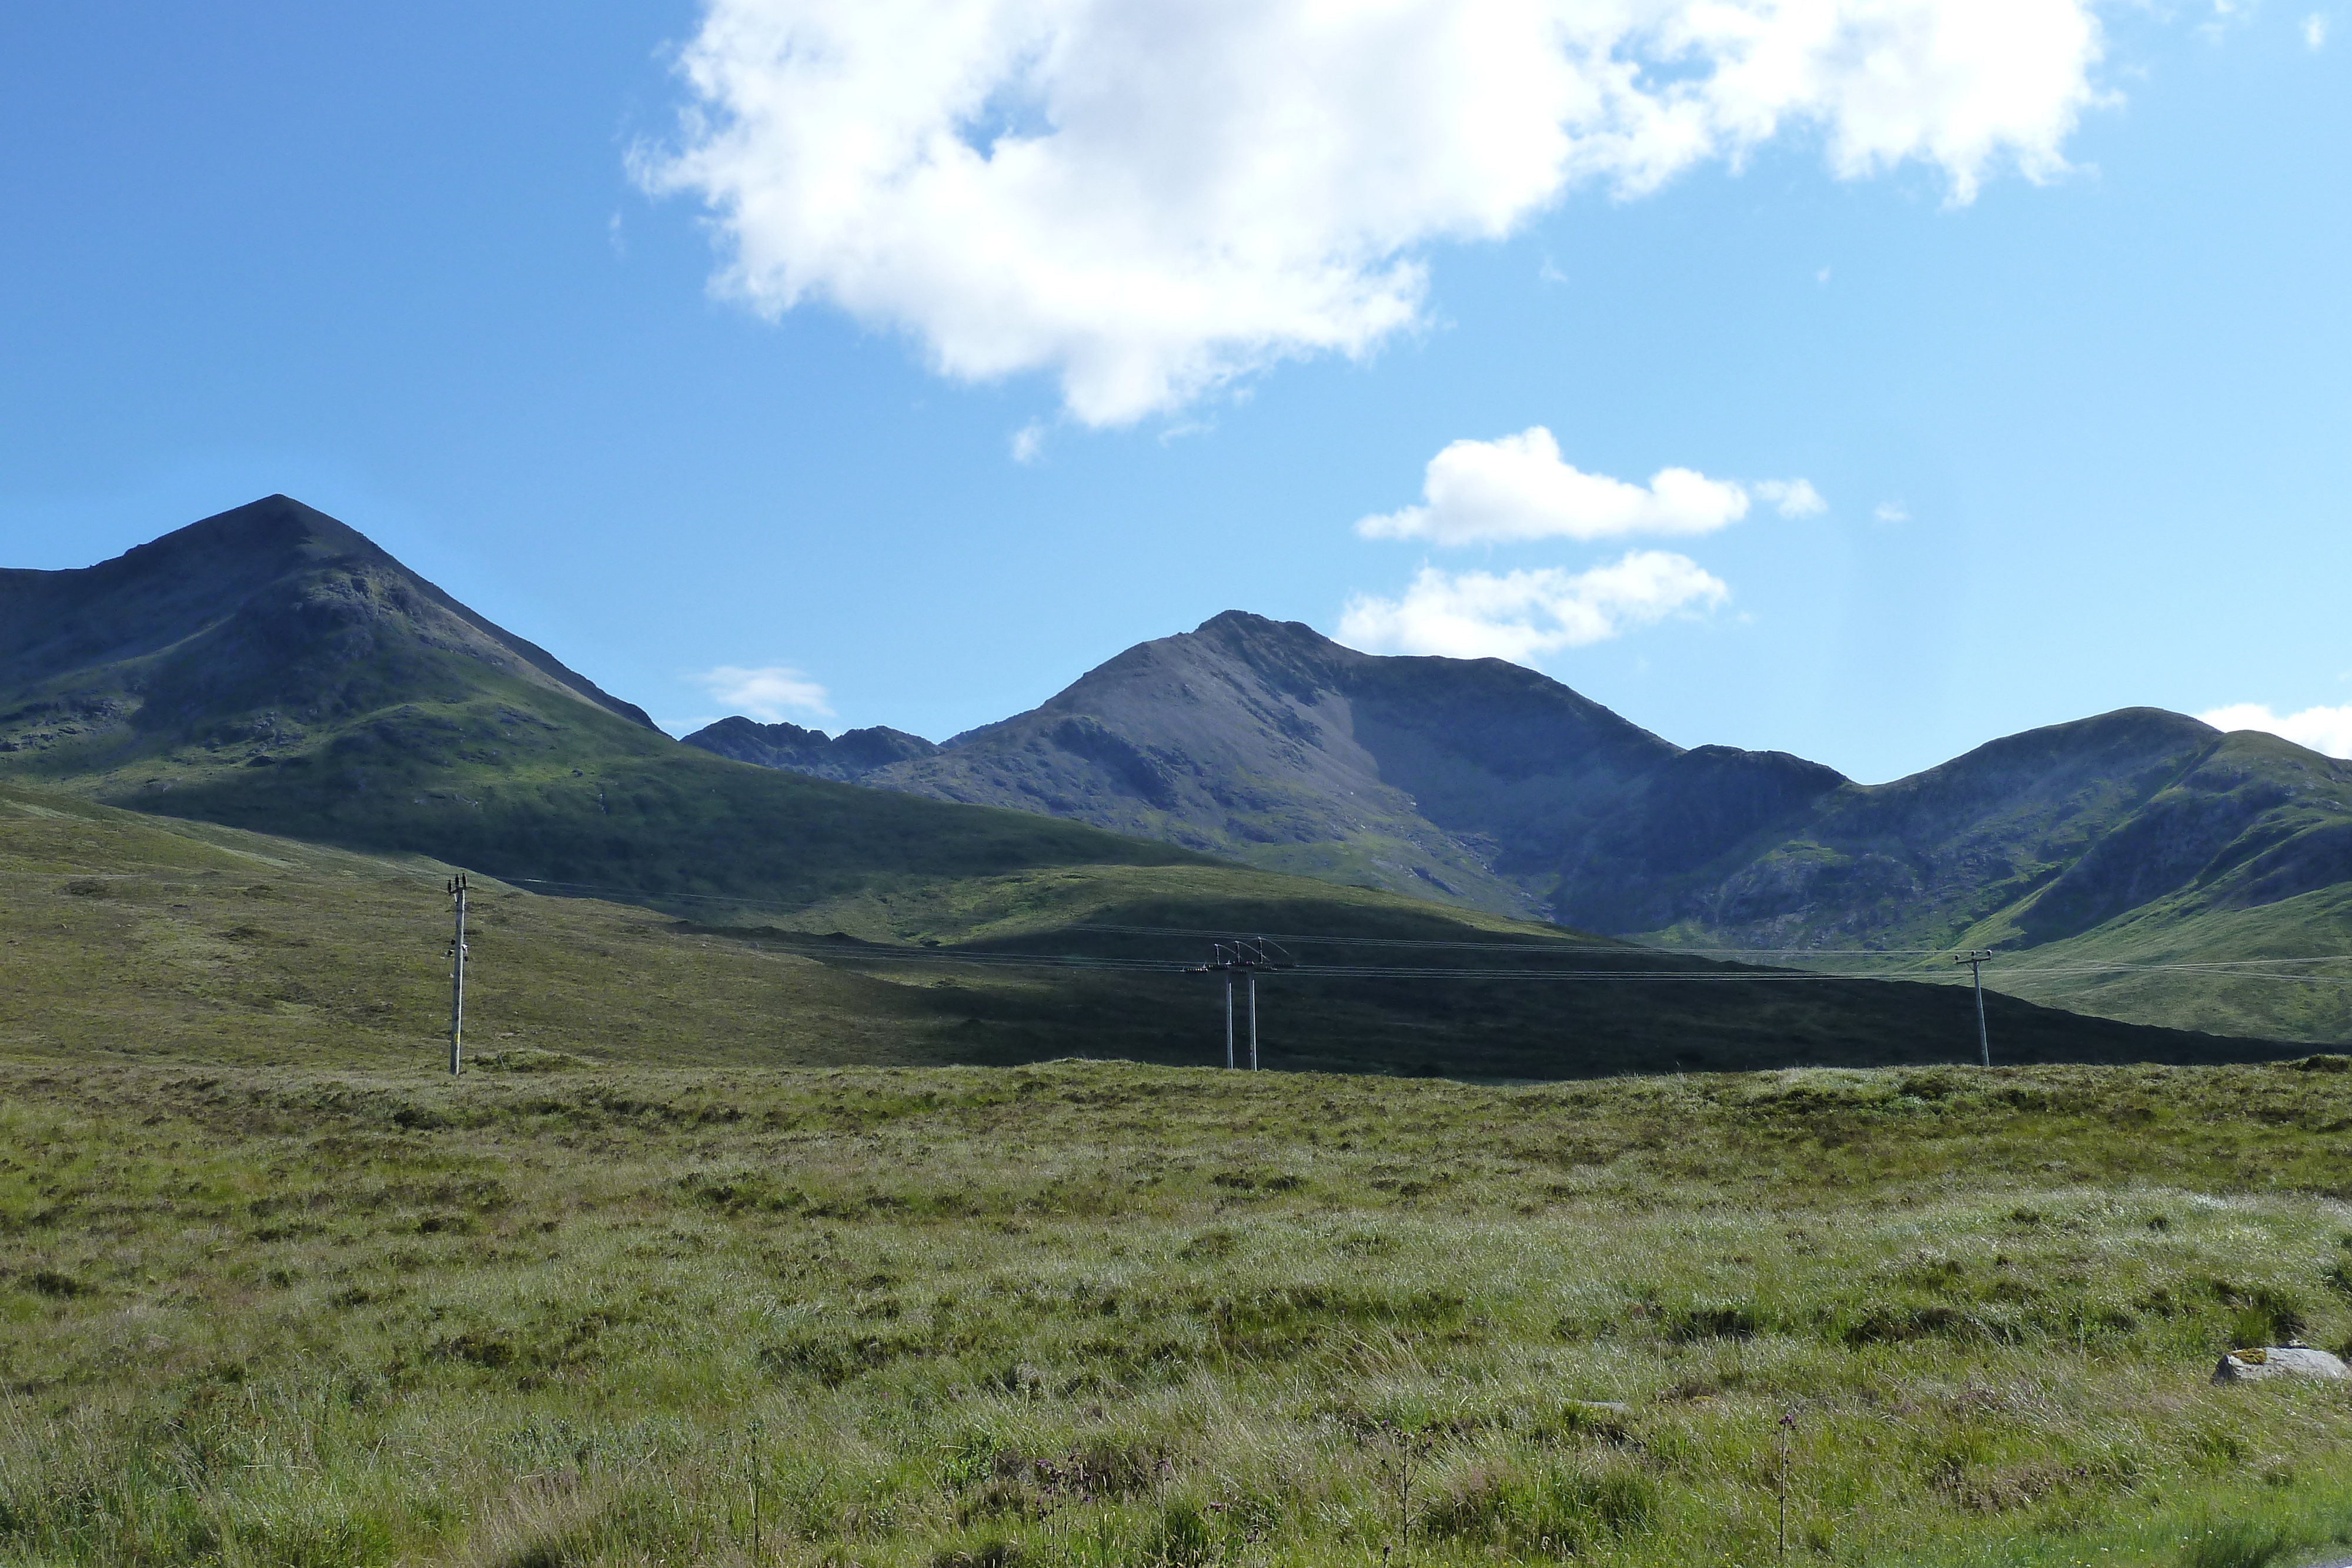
{"x":1091,"y":1313}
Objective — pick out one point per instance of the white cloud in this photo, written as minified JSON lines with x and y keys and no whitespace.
{"x":1891,"y":512}
{"x":1029,"y":442}
{"x":1522,"y":615}
{"x":2327,"y":729}
{"x":766,"y":694}
{"x":1517,"y":488}
{"x":2314,"y":31}
{"x":1149,"y":198}
{"x":1791,"y":497}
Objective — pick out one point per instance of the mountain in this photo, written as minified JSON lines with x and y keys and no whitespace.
{"x":849,"y":756}
{"x":315,"y":718}
{"x":270,"y":668}
{"x":1470,"y":781}
{"x":2026,"y":840}
{"x":1486,"y":785}
{"x":272,"y":602}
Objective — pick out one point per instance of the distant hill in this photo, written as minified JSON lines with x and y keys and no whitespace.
{"x":1488,"y":786}
{"x":133,"y":938}
{"x":270,"y":668}
{"x":272,"y":602}
{"x":849,"y":756}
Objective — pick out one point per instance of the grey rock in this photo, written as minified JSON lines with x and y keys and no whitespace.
{"x":2278,"y":1361}
{"x":844,"y":758}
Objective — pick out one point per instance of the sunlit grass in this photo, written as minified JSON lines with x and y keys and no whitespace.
{"x":1092,"y":1313}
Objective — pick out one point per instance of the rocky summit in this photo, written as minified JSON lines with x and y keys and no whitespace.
{"x":2138,"y":834}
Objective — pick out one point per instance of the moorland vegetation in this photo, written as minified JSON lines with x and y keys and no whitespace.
{"x":1085,"y":1313}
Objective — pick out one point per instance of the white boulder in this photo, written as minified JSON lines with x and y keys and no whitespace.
{"x":2278,"y":1361}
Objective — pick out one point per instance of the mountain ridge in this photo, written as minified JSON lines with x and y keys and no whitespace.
{"x":270,"y":668}
{"x":1489,"y":785}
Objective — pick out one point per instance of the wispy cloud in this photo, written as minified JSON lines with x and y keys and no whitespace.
{"x":2315,"y":32}
{"x":1029,"y":442}
{"x":767,"y":694}
{"x":1522,"y":615}
{"x":1149,"y":200}
{"x":1891,"y":512}
{"x":2327,"y":729}
{"x":1791,"y":497}
{"x":1517,"y":488}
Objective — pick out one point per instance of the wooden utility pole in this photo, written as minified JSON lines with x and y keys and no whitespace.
{"x":1976,"y":961}
{"x":1247,"y":955}
{"x":457,"y":979}
{"x":1252,"y":985}
{"x":1229,"y":1016}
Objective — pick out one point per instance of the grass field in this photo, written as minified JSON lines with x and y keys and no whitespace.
{"x":124,"y":937}
{"x":1094,"y":1313}
{"x":2309,"y":1000}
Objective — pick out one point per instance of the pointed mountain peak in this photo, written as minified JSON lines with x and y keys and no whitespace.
{"x":239,"y":604}
{"x":1243,"y":628}
{"x":274,"y":533}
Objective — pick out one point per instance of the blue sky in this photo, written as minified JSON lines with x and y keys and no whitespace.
{"x":459,"y":274}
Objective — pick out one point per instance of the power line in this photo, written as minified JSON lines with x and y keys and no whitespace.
{"x":1246,"y":955}
{"x":881,"y":955}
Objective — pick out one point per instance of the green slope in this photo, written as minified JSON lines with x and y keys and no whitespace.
{"x":2277,"y":968}
{"x":2138,"y":866}
{"x":128,"y":935}
{"x":499,"y":780}
{"x":272,"y":669}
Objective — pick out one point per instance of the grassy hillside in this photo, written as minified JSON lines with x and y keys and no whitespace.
{"x":2283,"y":968}
{"x":132,"y":937}
{"x":493,"y":773}
{"x":271,"y":669}
{"x":1091,"y":1314}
